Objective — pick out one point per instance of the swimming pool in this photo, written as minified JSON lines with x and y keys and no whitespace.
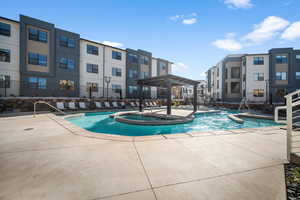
{"x":102,"y":123}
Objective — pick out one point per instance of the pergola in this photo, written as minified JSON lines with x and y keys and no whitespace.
{"x":167,"y":81}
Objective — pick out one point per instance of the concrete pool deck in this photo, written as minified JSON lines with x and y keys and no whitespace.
{"x":43,"y":158}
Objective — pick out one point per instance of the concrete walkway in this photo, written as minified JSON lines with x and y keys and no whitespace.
{"x":40,"y":159}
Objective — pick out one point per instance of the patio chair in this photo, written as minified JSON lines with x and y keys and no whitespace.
{"x":132,"y":104}
{"x":72,"y":106}
{"x":60,"y":105}
{"x":107,"y":105}
{"x":137,"y":104}
{"x":82,"y":105}
{"x":115,"y":105}
{"x":122,"y":104}
{"x":98,"y":105}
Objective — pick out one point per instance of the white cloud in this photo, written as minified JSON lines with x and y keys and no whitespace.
{"x":179,"y":67}
{"x":113,"y":44}
{"x":292,"y":32}
{"x":185,"y":19}
{"x":189,"y":21}
{"x":267,"y":29}
{"x":239,"y":3}
{"x":229,"y":43}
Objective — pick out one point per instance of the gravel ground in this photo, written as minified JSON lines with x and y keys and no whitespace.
{"x":292,"y":174}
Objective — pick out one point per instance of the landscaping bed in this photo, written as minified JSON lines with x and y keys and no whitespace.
{"x":292,"y":174}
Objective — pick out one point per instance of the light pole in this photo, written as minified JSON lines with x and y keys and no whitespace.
{"x":5,"y":83}
{"x":107,"y":80}
{"x":267,"y":91}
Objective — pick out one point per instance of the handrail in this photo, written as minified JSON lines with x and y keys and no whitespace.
{"x":44,"y":102}
{"x":276,"y":114}
{"x":291,"y":102}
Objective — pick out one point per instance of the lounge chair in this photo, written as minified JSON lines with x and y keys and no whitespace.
{"x":122,"y":104}
{"x":60,"y":105}
{"x":107,"y":105}
{"x":98,"y":105}
{"x":132,"y":104}
{"x":82,"y":105}
{"x":115,"y":105}
{"x":72,"y":105}
{"x":137,"y":104}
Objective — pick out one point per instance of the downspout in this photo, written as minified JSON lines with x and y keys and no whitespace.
{"x":103,"y":70}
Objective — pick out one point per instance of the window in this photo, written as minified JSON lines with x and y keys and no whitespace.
{"x":258,"y":60}
{"x":217,"y":84}
{"x":37,"y":35}
{"x":162,"y":66}
{"x":235,"y":87}
{"x":66,"y":42}
{"x":244,"y":61}
{"x":258,"y":76}
{"x":281,"y":59}
{"x":235,"y":72}
{"x":37,"y":83}
{"x":92,"y":68}
{"x":298,"y":75}
{"x":116,"y":55}
{"x":116,"y":71}
{"x":281,"y":76}
{"x":144,"y":60}
{"x":132,"y":89}
{"x":66,"y":63}
{"x":132,"y":73}
{"x":226,"y":73}
{"x":4,"y":55}
{"x":90,"y":49}
{"x":217,"y":72}
{"x":4,"y":81}
{"x":132,"y":58}
{"x":226,"y":88}
{"x":66,"y":85}
{"x":37,"y":59}
{"x":281,"y":92}
{"x":4,"y":29}
{"x":258,"y":93}
{"x":116,"y":88}
{"x":144,"y":74}
{"x":298,"y":57}
{"x":92,"y":86}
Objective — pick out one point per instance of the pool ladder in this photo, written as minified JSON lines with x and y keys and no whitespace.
{"x":44,"y":102}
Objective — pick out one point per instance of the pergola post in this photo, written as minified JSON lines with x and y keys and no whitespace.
{"x":141,"y":98}
{"x":195,"y":98}
{"x":169,"y":98}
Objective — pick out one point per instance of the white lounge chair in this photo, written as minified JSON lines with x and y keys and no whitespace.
{"x":98,"y":105}
{"x":115,"y":104}
{"x":122,"y":104}
{"x":137,"y":104}
{"x":72,"y":106}
{"x":147,"y":104}
{"x":132,"y":104}
{"x":60,"y":105}
{"x":151,"y":104}
{"x":107,"y":105}
{"x":82,"y":105}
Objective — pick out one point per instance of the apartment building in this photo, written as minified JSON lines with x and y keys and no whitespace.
{"x":284,"y":73}
{"x":255,"y":77}
{"x":9,"y":57}
{"x":259,"y":78}
{"x":38,"y":59}
{"x":49,"y":59}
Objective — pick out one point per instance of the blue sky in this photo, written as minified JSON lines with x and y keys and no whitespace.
{"x":194,"y":34}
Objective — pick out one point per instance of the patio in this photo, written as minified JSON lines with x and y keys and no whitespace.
{"x":42,"y":159}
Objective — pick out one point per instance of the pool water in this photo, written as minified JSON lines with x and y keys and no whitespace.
{"x":102,"y":123}
{"x":140,"y":117}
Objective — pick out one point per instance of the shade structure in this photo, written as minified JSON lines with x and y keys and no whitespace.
{"x":167,"y":81}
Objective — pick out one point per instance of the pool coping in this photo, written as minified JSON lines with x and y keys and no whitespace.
{"x":76,"y":130}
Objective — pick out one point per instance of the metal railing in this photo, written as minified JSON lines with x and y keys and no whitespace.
{"x":292,"y":121}
{"x":46,"y":103}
